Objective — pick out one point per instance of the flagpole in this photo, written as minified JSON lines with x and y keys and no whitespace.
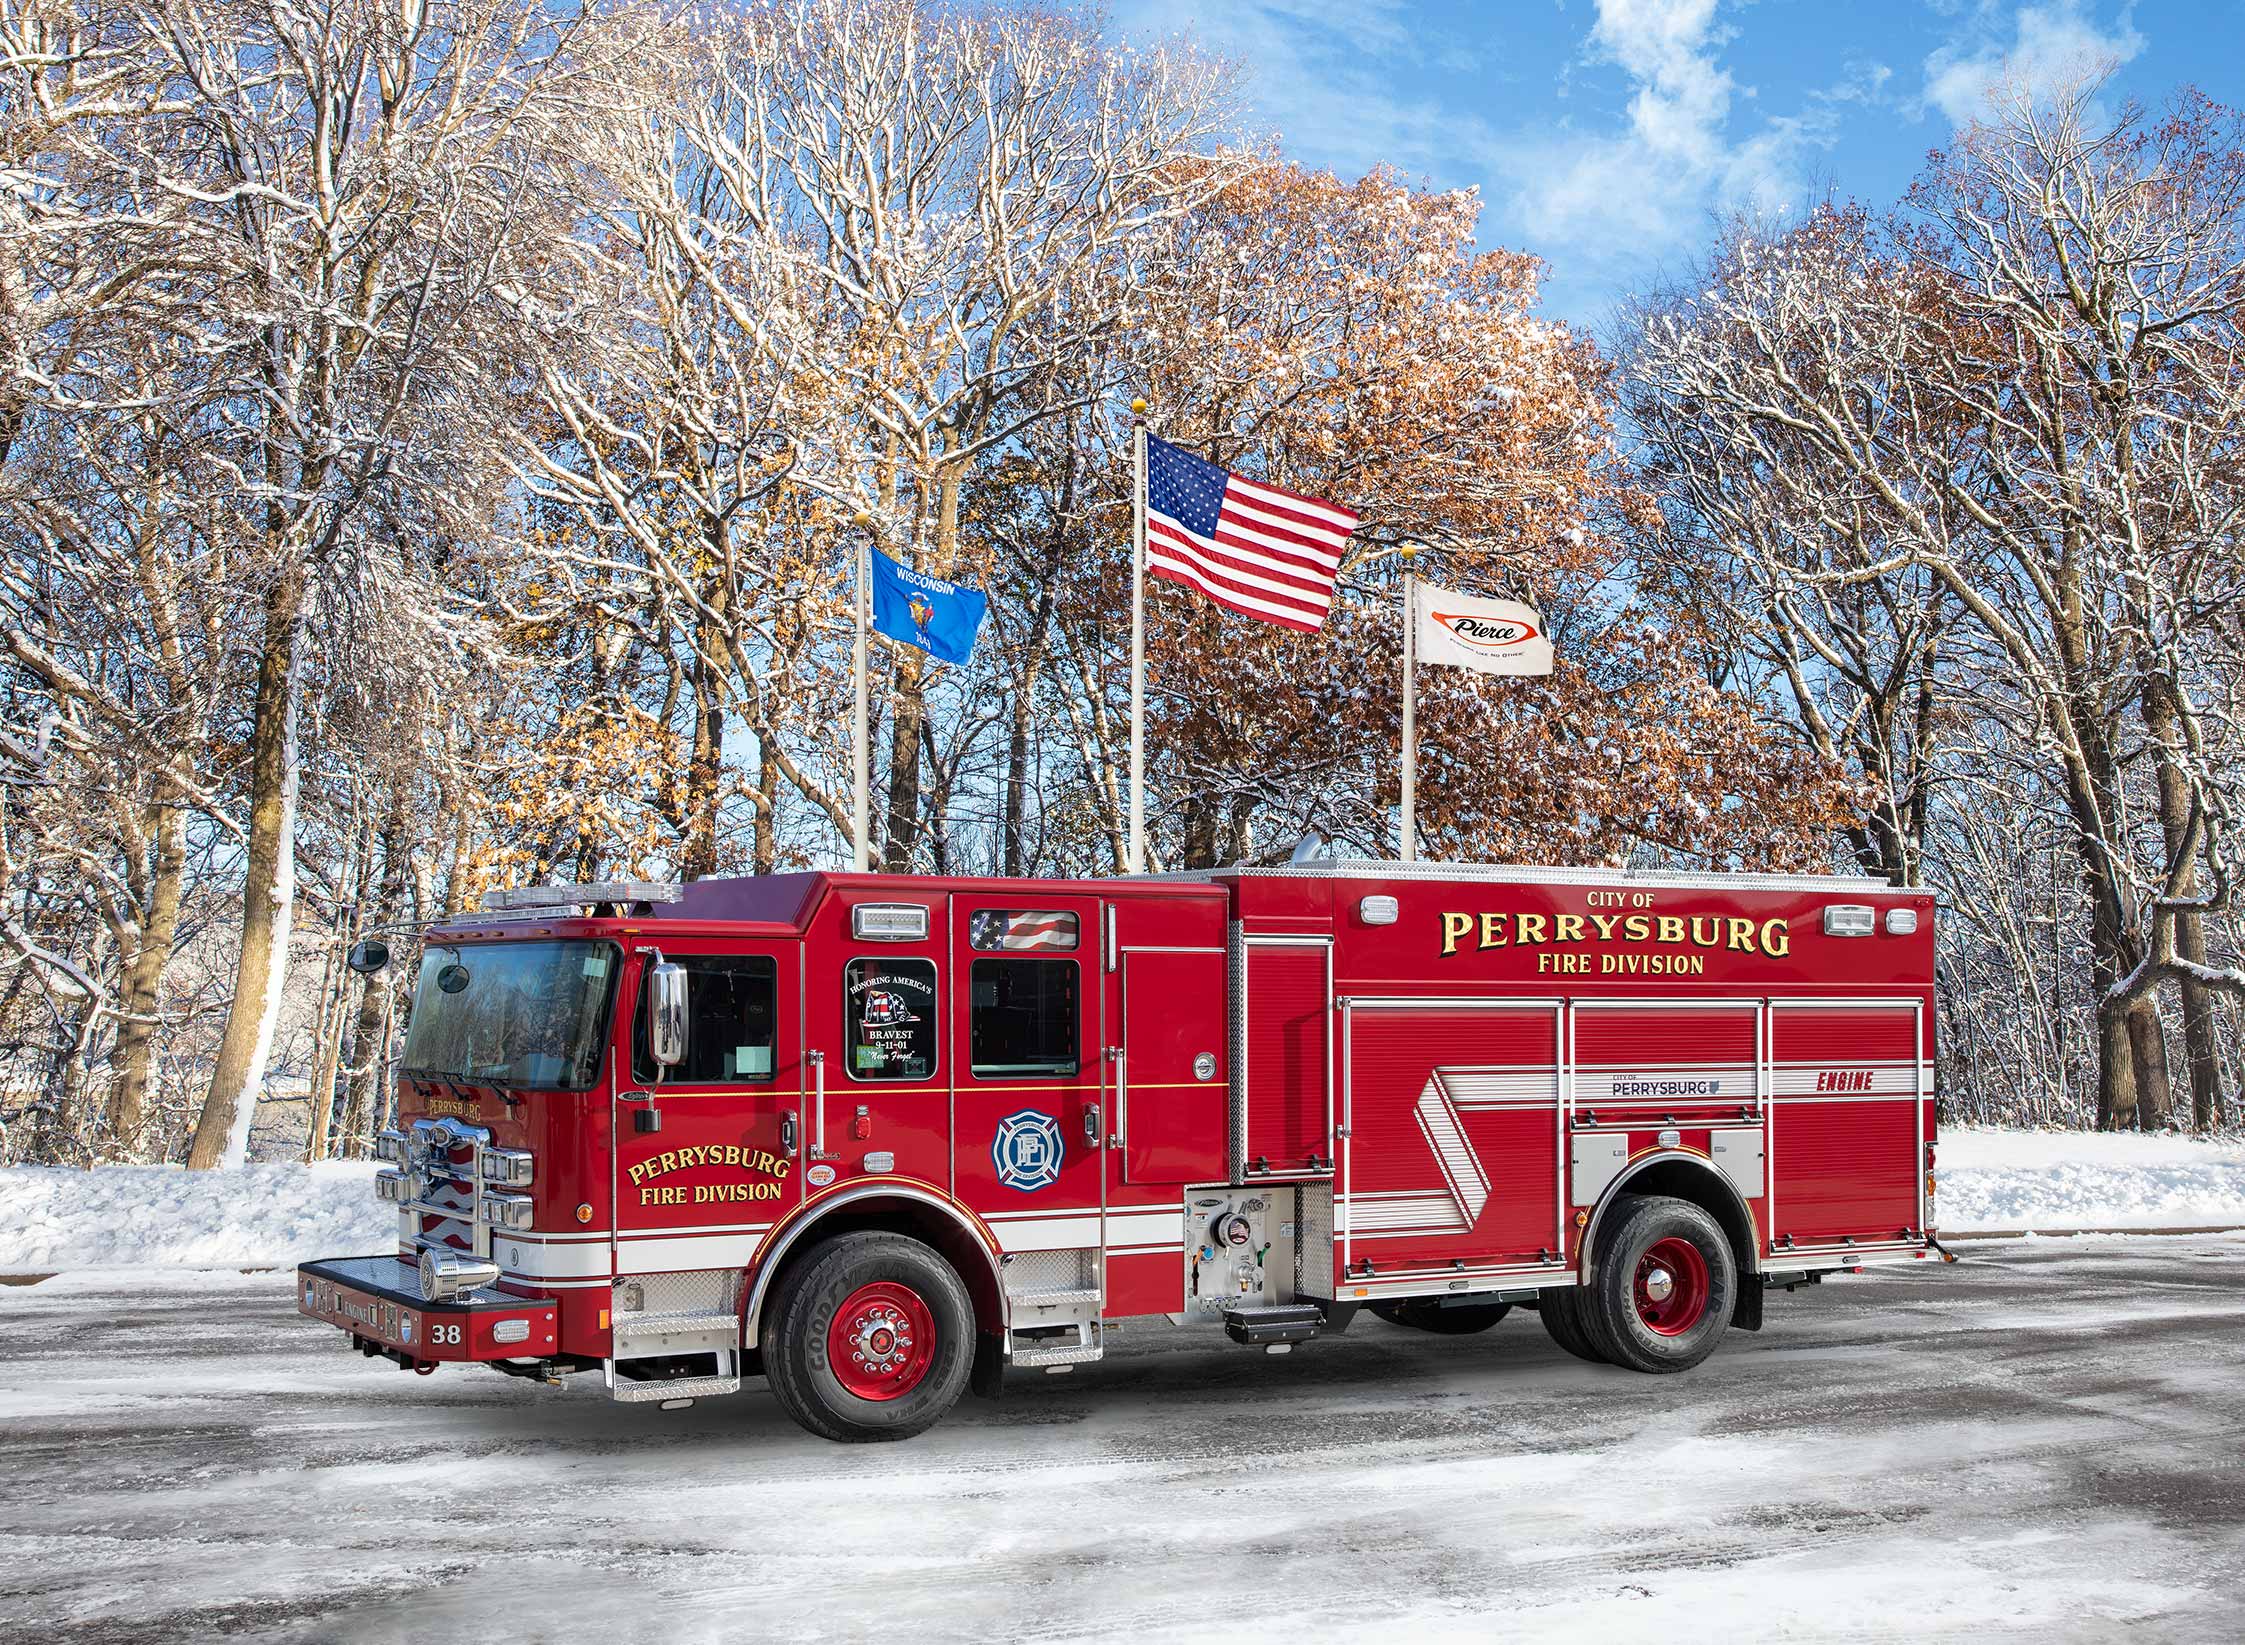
{"x":1410,"y":704}
{"x":861,"y":804}
{"x":1137,"y":860}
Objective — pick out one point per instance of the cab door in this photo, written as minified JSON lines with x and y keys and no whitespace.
{"x":703,"y":1151}
{"x":1031,"y":1117}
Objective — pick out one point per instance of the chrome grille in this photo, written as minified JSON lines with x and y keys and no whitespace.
{"x":448,"y":1185}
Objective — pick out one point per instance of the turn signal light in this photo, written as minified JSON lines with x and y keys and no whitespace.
{"x":584,"y":1213}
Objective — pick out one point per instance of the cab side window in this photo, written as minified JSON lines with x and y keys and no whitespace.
{"x":732,"y":1010}
{"x":1023,"y":1024}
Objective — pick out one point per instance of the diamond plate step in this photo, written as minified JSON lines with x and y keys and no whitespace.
{"x":1080,"y":1345}
{"x":641,"y":1336}
{"x":1053,"y":1299}
{"x":1286,"y":1322}
{"x":648,"y":1393}
{"x":1072,"y":1354}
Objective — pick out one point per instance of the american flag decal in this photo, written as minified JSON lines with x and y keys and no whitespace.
{"x":1251,"y":548}
{"x":1017,"y":931}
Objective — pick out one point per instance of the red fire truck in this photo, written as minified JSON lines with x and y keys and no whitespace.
{"x":878,"y":1138}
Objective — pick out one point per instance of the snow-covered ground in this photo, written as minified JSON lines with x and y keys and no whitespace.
{"x":275,"y":1215}
{"x":138,"y":1216}
{"x":2085,"y":1179}
{"x":2036,"y":1445}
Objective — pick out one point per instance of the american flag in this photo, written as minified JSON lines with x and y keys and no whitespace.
{"x":1250,"y":547}
{"x":1014,"y":931}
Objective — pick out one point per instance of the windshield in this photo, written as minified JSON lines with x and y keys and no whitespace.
{"x":511,"y":1013}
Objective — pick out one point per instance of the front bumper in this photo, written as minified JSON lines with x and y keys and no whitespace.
{"x":378,"y":1300}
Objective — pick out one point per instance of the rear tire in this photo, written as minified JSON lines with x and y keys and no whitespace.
{"x":1666,"y":1282}
{"x":870,"y":1337}
{"x":1560,"y":1309}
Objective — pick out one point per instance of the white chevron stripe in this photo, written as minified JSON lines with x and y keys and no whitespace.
{"x":1438,"y":1120}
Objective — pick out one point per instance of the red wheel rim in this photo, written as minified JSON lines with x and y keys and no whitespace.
{"x":882,"y":1341}
{"x":1671,"y":1286}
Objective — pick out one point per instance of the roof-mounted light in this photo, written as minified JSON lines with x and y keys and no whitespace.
{"x":1847,"y":919}
{"x":512,"y":898}
{"x":889,"y":922}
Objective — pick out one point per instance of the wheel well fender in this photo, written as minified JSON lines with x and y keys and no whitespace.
{"x":1684,"y":1177}
{"x":956,"y":1233}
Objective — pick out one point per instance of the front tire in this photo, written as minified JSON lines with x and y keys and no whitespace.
{"x":870,"y":1337}
{"x":1664,"y":1288}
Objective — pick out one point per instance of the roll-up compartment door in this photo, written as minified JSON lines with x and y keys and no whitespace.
{"x":1846,"y":1149}
{"x":1284,"y":1123}
{"x":1454,"y":1148}
{"x":1635,"y":1062}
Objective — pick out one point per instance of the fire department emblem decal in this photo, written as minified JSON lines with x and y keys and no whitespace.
{"x":1027,"y":1150}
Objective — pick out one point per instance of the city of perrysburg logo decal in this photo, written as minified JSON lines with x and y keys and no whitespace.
{"x":1027,"y":1150}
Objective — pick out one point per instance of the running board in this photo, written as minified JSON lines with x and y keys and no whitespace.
{"x":624,"y":1391}
{"x":1286,"y":1322}
{"x":671,"y":1336}
{"x":646,"y":1336}
{"x":1079,"y":1345}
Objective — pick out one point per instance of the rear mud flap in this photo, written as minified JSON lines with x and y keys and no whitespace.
{"x":988,"y":1377}
{"x":1746,"y":1315}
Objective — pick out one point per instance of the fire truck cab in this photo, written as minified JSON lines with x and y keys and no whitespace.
{"x":879,"y":1138}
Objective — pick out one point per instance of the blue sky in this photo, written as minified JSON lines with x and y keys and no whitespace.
{"x":1605,"y":135}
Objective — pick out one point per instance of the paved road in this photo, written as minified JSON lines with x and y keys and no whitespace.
{"x":2045,"y":1442}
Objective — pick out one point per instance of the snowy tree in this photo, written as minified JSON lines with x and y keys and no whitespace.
{"x":2025,"y":388}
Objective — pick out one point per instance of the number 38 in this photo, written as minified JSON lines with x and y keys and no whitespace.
{"x":445,"y":1336}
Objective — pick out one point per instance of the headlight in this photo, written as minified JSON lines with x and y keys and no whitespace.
{"x":509,"y":1167}
{"x":507,"y":1210}
{"x":390,"y":1145}
{"x":448,"y":1274}
{"x":390,"y":1187}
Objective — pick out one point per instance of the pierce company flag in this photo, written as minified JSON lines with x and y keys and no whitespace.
{"x":1494,"y":636}
{"x":1250,"y":547}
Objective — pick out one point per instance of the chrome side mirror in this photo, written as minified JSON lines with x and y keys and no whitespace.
{"x":666,"y":1012}
{"x":368,"y":956}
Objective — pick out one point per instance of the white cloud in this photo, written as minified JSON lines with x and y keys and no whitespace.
{"x":1349,"y":84}
{"x":1668,"y":48}
{"x":2049,"y":45}
{"x":1330,"y":75}
{"x":1618,"y":195}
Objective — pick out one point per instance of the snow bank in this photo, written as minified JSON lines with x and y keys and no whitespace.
{"x":137,"y":1216}
{"x":1992,"y":1180}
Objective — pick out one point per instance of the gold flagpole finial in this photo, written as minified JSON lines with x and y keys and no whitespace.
{"x":1138,"y":408}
